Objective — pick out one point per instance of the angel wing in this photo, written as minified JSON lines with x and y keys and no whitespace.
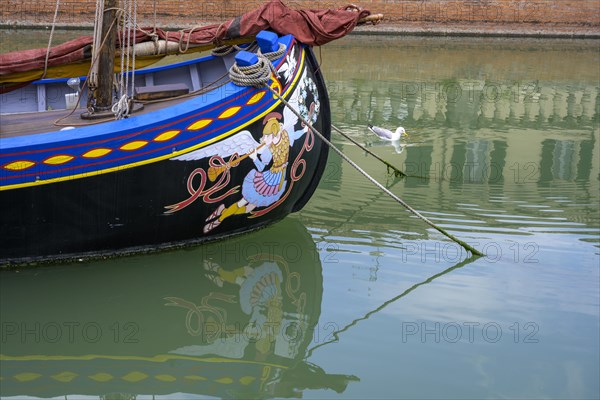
{"x":289,"y":118}
{"x":241,"y":143}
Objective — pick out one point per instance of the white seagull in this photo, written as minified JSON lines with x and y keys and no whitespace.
{"x":387,"y":134}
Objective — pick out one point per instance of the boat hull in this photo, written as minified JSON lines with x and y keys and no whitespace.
{"x":228,"y":166}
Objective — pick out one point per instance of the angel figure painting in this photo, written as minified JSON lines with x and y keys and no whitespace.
{"x":267,"y":184}
{"x":261,"y":187}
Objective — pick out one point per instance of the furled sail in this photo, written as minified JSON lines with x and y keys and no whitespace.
{"x":312,"y":27}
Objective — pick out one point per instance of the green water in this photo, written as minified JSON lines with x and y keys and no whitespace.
{"x":353,"y":297}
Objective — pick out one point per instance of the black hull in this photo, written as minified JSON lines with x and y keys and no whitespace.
{"x":135,"y":209}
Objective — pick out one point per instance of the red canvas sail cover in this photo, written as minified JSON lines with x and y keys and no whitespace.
{"x":312,"y":27}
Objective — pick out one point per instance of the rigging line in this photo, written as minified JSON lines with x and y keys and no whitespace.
{"x":390,"y":301}
{"x":122,"y":39}
{"x":463,"y":244}
{"x":182,"y":33}
{"x":121,"y":107}
{"x":154,"y":27}
{"x":50,"y":39}
{"x":96,"y":44}
{"x":134,"y":32}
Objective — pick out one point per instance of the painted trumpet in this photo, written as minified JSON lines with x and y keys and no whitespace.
{"x":215,"y":171}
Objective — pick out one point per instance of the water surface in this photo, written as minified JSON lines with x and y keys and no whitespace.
{"x":353,"y":297}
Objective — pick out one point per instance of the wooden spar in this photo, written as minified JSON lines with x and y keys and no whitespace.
{"x":106,"y":60}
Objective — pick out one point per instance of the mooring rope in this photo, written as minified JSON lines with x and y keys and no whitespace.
{"x":260,"y":75}
{"x":221,"y":51}
{"x":274,"y":55}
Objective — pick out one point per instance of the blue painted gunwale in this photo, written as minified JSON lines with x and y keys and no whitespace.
{"x":44,"y":150}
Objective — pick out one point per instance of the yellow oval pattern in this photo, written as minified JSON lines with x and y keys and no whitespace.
{"x":246,"y":380}
{"x":101,"y":377}
{"x":65,"y":377}
{"x":230,"y":112}
{"x":134,"y":376}
{"x":27,"y":376}
{"x":256,"y":98}
{"x":57,"y":160}
{"x":138,"y":144}
{"x":199,"y":124}
{"x":135,"y":145}
{"x":165,"y":378}
{"x":19,"y":165}
{"x":96,"y":153}
{"x":168,"y":135}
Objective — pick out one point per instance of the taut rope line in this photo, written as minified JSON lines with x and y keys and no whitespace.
{"x":50,"y":39}
{"x":262,"y":78}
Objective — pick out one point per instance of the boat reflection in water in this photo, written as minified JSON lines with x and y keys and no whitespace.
{"x":231,"y":319}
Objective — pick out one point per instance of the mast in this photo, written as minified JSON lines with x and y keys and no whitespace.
{"x":101,"y":97}
{"x":106,"y":61}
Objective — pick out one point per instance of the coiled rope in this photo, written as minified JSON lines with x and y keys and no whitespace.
{"x":259,"y":76}
{"x":274,"y":55}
